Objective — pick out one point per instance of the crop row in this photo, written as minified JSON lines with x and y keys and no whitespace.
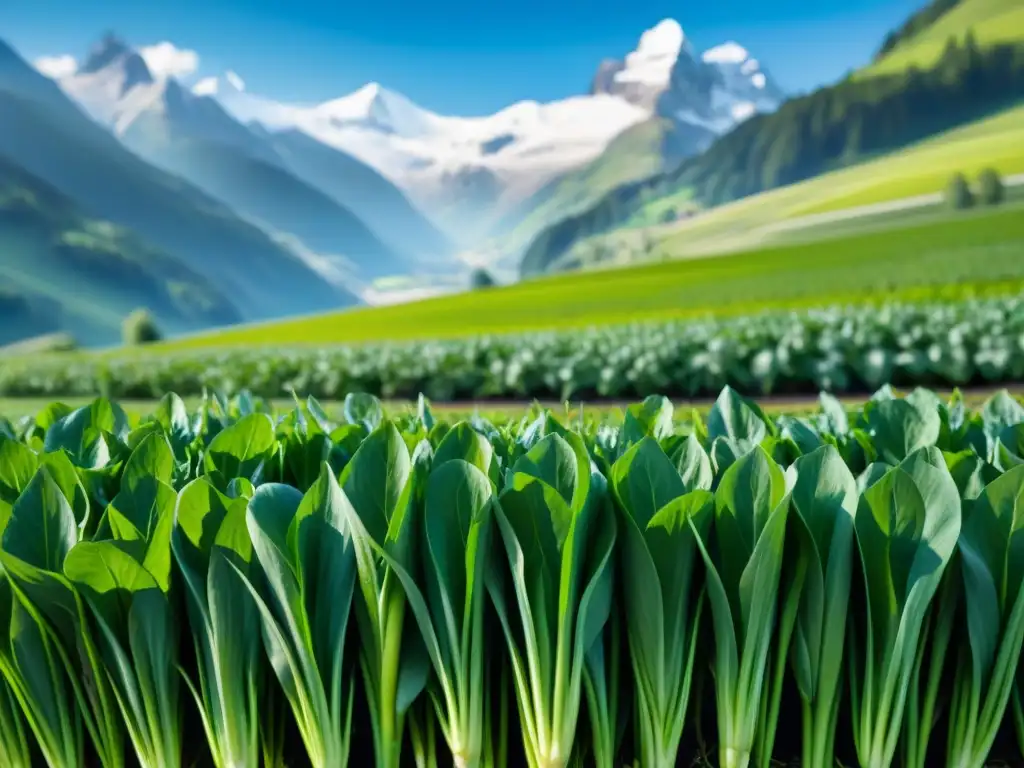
{"x":300,"y":590}
{"x":841,"y":349}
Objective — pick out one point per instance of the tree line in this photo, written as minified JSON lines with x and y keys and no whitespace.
{"x":916,"y":24}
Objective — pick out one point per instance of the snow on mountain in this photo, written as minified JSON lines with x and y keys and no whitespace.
{"x":654,"y":57}
{"x":451,"y":166}
{"x":716,"y":90}
{"x":744,"y":88}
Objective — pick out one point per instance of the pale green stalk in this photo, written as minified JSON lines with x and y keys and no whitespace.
{"x":659,"y":498}
{"x":747,"y":537}
{"x":992,"y":565}
{"x":210,"y":541}
{"x":383,"y":492}
{"x":907,"y":525}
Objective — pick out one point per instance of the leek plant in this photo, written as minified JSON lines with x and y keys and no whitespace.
{"x":907,"y":524}
{"x":51,"y":634}
{"x":742,"y":552}
{"x":991,"y":546}
{"x":383,"y":491}
{"x":304,"y":547}
{"x":211,"y":545}
{"x":557,"y":534}
{"x":124,"y":574}
{"x":823,"y":504}
{"x":658,"y":557}
{"x":451,"y":611}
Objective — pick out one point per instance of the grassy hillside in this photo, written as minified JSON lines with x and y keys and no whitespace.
{"x":922,"y":169}
{"x":640,"y":152}
{"x":977,"y":252}
{"x":54,"y":141}
{"x":851,"y":122}
{"x":992,"y":22}
{"x":278,"y":200}
{"x":62,"y":271}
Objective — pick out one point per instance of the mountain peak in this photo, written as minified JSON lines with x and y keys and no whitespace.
{"x":666,"y":38}
{"x":104,"y":53}
{"x":652,"y":62}
{"x":375,"y":107}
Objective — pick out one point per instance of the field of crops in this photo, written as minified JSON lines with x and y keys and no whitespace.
{"x":853,"y":349}
{"x":238,"y":586}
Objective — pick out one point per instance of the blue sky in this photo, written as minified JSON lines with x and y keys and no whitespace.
{"x":454,"y":56}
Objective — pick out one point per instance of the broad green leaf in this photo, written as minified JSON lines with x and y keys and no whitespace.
{"x":693,"y":464}
{"x":211,"y":545}
{"x":361,"y":408}
{"x":737,"y":420}
{"x":305,"y":549}
{"x":901,"y":427}
{"x":465,"y":443}
{"x":241,"y":449}
{"x":658,"y":550}
{"x":651,"y":418}
{"x":907,"y":524}
{"x":823,"y":503}
{"x":375,"y":479}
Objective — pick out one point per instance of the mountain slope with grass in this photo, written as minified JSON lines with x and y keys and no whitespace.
{"x":49,"y":137}
{"x":857,"y":119}
{"x":63,"y":271}
{"x":923,"y":40}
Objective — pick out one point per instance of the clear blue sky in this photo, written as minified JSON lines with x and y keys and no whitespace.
{"x":454,"y":56}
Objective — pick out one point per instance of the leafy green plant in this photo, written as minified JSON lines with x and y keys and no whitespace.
{"x":553,"y":516}
{"x":823,"y":505}
{"x":450,"y":611}
{"x":211,"y":545}
{"x":382,"y":488}
{"x":304,"y":546}
{"x":742,"y":551}
{"x":662,"y":517}
{"x":907,"y":524}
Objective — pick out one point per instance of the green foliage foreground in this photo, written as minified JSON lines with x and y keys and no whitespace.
{"x":240,"y":587}
{"x":839,"y":349}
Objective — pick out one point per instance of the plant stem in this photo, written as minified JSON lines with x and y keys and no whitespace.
{"x":390,"y":720}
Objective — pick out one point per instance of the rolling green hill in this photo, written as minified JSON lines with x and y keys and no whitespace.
{"x":62,"y":271}
{"x":858,"y":119}
{"x":991,"y":22}
{"x":49,"y":137}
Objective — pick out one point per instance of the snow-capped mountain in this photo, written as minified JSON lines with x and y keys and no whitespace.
{"x":341,"y":211}
{"x":467,"y":172}
{"x":461,"y":170}
{"x":715,"y":90}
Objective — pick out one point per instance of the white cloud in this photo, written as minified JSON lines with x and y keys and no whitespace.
{"x":166,"y":60}
{"x":56,"y":66}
